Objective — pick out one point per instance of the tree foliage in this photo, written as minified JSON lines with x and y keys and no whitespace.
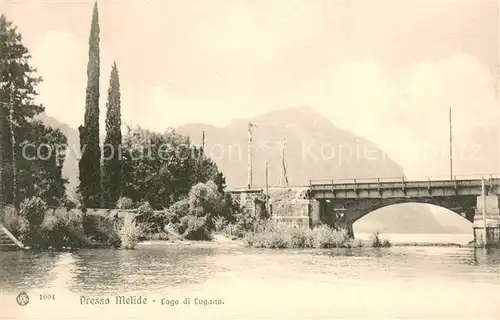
{"x":40,"y":167}
{"x":90,"y":163}
{"x":112,"y":143}
{"x":162,"y":168}
{"x":36,"y":176}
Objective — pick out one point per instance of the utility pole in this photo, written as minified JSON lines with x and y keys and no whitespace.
{"x":283,"y":177}
{"x":498,"y":51}
{"x":483,"y":193}
{"x":267,"y":186}
{"x":203,"y":142}
{"x":451,"y":144}
{"x":250,"y":125}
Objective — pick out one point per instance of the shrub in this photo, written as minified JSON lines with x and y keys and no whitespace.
{"x":376,"y":242}
{"x":69,"y":204}
{"x":144,"y":210}
{"x":233,"y":231}
{"x":244,"y":223}
{"x":157,"y":236}
{"x":124,"y":203}
{"x":326,"y":237}
{"x":203,"y":201}
{"x":176,"y":211}
{"x":299,"y":238}
{"x":150,"y":221}
{"x":23,"y":229}
{"x":219,"y":223}
{"x":245,"y":220}
{"x":33,"y":209}
{"x":194,"y":228}
{"x":102,"y":228}
{"x":355,"y":243}
{"x":386,"y":243}
{"x":274,"y":239}
{"x":129,"y":233}
{"x":63,"y":229}
{"x":249,"y":240}
{"x":284,"y":236}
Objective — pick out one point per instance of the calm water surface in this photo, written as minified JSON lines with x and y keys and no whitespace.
{"x":429,"y":283}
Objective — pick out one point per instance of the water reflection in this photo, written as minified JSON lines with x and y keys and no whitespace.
{"x":109,"y":272}
{"x":24,"y":270}
{"x":389,"y":283}
{"x":165,"y":268}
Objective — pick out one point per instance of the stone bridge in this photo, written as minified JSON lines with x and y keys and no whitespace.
{"x":340,"y":203}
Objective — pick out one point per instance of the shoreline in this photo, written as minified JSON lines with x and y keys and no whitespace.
{"x":223,"y":241}
{"x":239,"y":244}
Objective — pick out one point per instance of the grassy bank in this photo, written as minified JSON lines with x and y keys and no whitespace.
{"x":278,"y":236}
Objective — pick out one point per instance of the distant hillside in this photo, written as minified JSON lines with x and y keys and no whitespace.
{"x":70,"y":166}
{"x":413,"y":218}
{"x":315,"y":149}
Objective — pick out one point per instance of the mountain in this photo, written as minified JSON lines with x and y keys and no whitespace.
{"x":413,"y":218}
{"x":70,"y":165}
{"x":314,"y":149}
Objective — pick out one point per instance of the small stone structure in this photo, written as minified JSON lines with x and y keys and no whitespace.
{"x":290,"y":206}
{"x":253,"y":200}
{"x":286,"y":205}
{"x":490,"y":234}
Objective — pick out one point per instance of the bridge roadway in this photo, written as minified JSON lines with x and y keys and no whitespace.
{"x":401,"y":188}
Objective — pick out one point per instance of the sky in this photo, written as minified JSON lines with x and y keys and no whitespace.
{"x":384,"y":70}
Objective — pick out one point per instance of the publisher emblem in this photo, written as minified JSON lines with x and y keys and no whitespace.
{"x":22,"y":299}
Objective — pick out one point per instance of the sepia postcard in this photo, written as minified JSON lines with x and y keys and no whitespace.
{"x":249,"y":159}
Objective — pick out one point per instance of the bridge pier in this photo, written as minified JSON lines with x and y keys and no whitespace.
{"x":317,"y":211}
{"x":323,"y":211}
{"x":491,"y":234}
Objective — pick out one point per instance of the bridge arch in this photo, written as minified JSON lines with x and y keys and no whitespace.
{"x":412,"y":219}
{"x":343,"y":213}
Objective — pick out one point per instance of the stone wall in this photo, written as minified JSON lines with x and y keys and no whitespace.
{"x":295,"y":213}
{"x":104,"y":212}
{"x":252,"y":201}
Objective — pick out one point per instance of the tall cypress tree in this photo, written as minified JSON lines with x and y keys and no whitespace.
{"x":112,"y":143}
{"x":90,"y":162}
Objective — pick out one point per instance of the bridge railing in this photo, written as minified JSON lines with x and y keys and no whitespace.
{"x":400,"y":179}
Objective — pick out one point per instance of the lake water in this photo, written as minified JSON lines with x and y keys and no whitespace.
{"x":393,"y":283}
{"x":422,"y":238}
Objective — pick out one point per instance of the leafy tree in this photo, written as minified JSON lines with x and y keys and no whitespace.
{"x":112,"y":142}
{"x":162,"y":168}
{"x":90,"y":163}
{"x":40,"y":167}
{"x":21,"y":173}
